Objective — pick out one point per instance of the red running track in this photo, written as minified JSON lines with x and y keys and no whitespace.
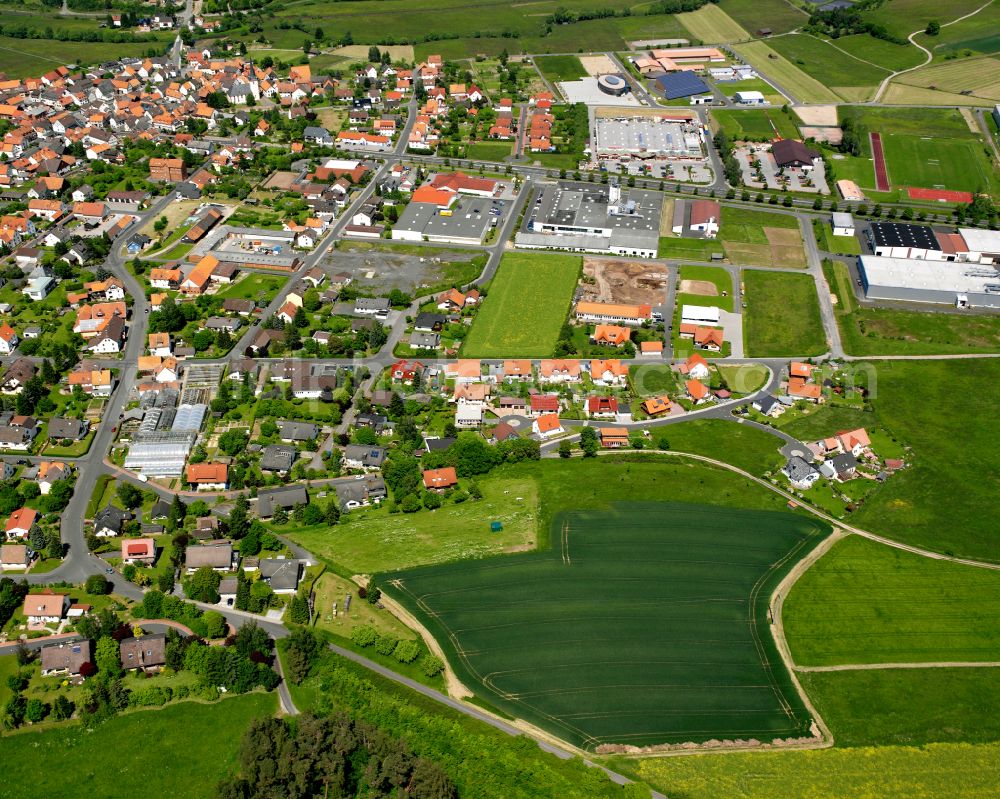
{"x":881,"y":173}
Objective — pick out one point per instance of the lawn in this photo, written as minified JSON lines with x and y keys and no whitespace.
{"x":367,"y":541}
{"x":947,"y":500}
{"x":560,"y":67}
{"x":771,"y":95}
{"x":906,"y":16}
{"x":527,"y":304}
{"x":744,"y":379}
{"x":956,"y":771}
{"x":907,"y":706}
{"x":717,"y":276}
{"x":888,"y":331}
{"x":838,"y":245}
{"x":865,"y":602}
{"x":489,"y":150}
{"x":254,"y":286}
{"x":689,"y":249}
{"x":785,"y":74}
{"x":545,"y":635}
{"x":332,"y":589}
{"x":754,"y":124}
{"x":782,"y":317}
{"x":153,"y":748}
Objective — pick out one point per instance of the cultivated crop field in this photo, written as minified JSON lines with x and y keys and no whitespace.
{"x":560,"y":67}
{"x":865,"y":602}
{"x":846,"y":74}
{"x":643,"y":624}
{"x":710,"y":23}
{"x":778,"y":15}
{"x":527,"y":304}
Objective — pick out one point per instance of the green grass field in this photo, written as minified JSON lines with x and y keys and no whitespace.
{"x":747,"y":224}
{"x":887,"y":55}
{"x":711,"y":23}
{"x":490,"y":150}
{"x":826,"y":63}
{"x":887,"y":331}
{"x":902,"y":17}
{"x":842,"y":245}
{"x":865,"y":602}
{"x":782,"y":315}
{"x":947,"y":500}
{"x":181,"y":750}
{"x":565,"y":637}
{"x":935,"y":163}
{"x":755,"y":124}
{"x":715,"y":275}
{"x":907,"y":707}
{"x":689,"y":249}
{"x":255,"y":286}
{"x":768,"y":62}
{"x":560,"y":67}
{"x":527,"y":304}
{"x":21,"y":58}
{"x":956,"y":771}
{"x":367,"y":541}
{"x":778,"y":15}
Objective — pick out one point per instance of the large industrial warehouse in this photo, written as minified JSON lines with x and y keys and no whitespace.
{"x":964,"y":285}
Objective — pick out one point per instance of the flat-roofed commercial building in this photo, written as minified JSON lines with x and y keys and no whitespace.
{"x":965,"y":285}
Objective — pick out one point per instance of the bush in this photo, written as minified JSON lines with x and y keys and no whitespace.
{"x":431,"y":665}
{"x":364,"y":636}
{"x":385,"y":645}
{"x":97,"y":585}
{"x":151,"y":696}
{"x":406,"y":651}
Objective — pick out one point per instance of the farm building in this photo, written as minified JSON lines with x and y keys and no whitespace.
{"x":964,"y":285}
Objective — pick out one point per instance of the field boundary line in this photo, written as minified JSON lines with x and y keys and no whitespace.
{"x":940,"y":664}
{"x":924,"y":553}
{"x":930,"y":56}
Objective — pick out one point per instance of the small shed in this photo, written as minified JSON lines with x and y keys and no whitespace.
{"x":496,"y":527}
{"x":843,"y":224}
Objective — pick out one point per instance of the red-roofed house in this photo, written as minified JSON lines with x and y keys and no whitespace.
{"x":543,"y":403}
{"x":440,"y":479}
{"x":602,"y":407}
{"x":208,"y":476}
{"x":139,"y":551}
{"x":546,"y":425}
{"x":20,"y":522}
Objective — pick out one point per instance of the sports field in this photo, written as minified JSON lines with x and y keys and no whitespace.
{"x":527,"y":304}
{"x":643,"y":623}
{"x":782,"y":316}
{"x":865,"y":602}
{"x":936,"y":163}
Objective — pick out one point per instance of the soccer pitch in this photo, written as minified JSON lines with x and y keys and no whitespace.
{"x":643,"y":624}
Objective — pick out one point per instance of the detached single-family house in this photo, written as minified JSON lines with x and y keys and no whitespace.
{"x":440,"y":479}
{"x":217,"y":555}
{"x":139,"y":551}
{"x":800,"y":473}
{"x":547,"y":425}
{"x":208,"y":476}
{"x":44,"y":608}
{"x":110,"y":521}
{"x":147,"y":652}
{"x":66,"y":658}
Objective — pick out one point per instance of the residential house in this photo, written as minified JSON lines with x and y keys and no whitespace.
{"x":602,"y":407}
{"x":8,"y":339}
{"x":15,"y":557}
{"x":216,"y":555}
{"x":278,"y":458}
{"x":139,"y":551}
{"x":656,"y":406}
{"x":110,"y":521}
{"x":208,"y":476}
{"x":440,"y":479}
{"x":51,"y":472}
{"x":292,"y":432}
{"x":66,"y":658}
{"x":697,"y":391}
{"x":547,"y":425}
{"x":45,"y":607}
{"x":269,"y":500}
{"x":363,"y":457}
{"x":20,"y":523}
{"x":613,"y":437}
{"x":800,"y":473}
{"x":281,"y":574}
{"x":147,"y":652}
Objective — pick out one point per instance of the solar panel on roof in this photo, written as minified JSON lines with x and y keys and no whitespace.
{"x":681,"y":84}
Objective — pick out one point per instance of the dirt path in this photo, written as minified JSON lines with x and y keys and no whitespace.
{"x":937,"y":664}
{"x":930,"y":56}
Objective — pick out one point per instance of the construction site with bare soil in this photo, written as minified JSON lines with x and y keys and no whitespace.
{"x":621,"y":281}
